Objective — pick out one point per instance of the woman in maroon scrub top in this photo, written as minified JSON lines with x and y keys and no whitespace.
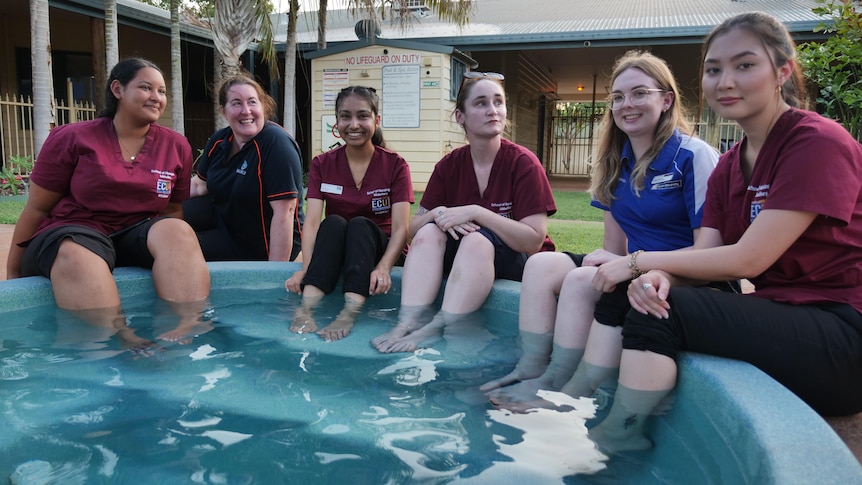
{"x":367,"y":193}
{"x":108,"y":193}
{"x":484,"y":211}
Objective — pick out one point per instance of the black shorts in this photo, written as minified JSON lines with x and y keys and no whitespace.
{"x":508,"y":264}
{"x":126,"y":247}
{"x":578,"y":259}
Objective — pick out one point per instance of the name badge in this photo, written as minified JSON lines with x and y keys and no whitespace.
{"x":331,"y":189}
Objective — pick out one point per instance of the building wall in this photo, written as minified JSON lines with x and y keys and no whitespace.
{"x":422,"y":146}
{"x":71,"y":32}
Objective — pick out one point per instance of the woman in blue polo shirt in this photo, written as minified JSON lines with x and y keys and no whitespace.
{"x":650,"y":178}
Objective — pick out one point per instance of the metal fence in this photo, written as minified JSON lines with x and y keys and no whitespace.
{"x":16,"y":122}
{"x":576,"y":129}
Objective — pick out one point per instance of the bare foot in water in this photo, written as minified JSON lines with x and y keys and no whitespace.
{"x":137,"y":346}
{"x":413,"y":340}
{"x":303,"y":320}
{"x":382,"y":341}
{"x":610,"y":441}
{"x":514,"y":376}
{"x":523,"y":391}
{"x":338,"y":329}
{"x":524,"y":406}
{"x":186,"y":331}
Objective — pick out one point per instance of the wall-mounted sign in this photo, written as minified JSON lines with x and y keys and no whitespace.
{"x":382,"y":59}
{"x":334,"y":80}
{"x":430,"y":84}
{"x":400,"y":99}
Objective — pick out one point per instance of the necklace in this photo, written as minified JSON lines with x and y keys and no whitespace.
{"x":125,"y":149}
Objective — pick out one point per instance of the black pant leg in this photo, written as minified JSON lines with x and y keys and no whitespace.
{"x":813,"y":350}
{"x":366,"y":244}
{"x":328,"y":257}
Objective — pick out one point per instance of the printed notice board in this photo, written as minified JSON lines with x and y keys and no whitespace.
{"x":401,"y":93}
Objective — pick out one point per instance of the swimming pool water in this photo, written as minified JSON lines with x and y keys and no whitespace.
{"x":251,"y":402}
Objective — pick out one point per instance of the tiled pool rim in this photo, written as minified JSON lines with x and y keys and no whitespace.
{"x":761,"y":425}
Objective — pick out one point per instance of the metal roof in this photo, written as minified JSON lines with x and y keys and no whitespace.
{"x":508,"y":24}
{"x":139,"y":15}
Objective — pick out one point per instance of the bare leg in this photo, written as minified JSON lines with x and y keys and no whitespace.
{"x":423,"y":268}
{"x":82,"y":280}
{"x":467,"y":287}
{"x":420,"y":283}
{"x":601,"y":361}
{"x":343,"y":323}
{"x":536,"y":348}
{"x":574,"y":313}
{"x":563,"y":363}
{"x":303,"y":317}
{"x":645,"y":379}
{"x":472,"y":275}
{"x":180,"y":275}
{"x":543,"y":279}
{"x":180,"y":272}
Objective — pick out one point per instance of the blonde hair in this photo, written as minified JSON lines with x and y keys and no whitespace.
{"x":607,"y":166}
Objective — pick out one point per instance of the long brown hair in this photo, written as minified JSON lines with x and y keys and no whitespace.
{"x":607,"y":166}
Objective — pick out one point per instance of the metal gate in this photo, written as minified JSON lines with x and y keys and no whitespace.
{"x":574,"y":134}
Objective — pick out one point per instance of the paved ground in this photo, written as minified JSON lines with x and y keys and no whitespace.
{"x":5,"y":242}
{"x":849,"y":428}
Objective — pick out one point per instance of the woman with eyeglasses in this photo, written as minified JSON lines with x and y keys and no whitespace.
{"x":650,"y":178}
{"x":484,"y":211}
{"x":366,"y":192}
{"x":783,"y":209}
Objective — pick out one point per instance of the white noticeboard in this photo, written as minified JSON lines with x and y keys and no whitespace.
{"x":401,"y":93}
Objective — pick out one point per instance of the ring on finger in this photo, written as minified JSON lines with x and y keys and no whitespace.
{"x":646,"y":286}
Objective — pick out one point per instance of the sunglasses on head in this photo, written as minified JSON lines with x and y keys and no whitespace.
{"x":477,"y":75}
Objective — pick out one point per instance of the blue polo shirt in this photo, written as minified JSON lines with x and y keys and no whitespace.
{"x":667,"y":210}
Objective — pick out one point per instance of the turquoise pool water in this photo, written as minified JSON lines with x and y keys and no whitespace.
{"x":250,"y":402}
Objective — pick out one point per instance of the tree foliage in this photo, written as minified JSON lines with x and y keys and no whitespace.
{"x":402,"y":12}
{"x":835,"y":66}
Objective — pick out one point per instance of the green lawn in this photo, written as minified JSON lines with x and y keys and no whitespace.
{"x":10,"y":209}
{"x":576,"y":227}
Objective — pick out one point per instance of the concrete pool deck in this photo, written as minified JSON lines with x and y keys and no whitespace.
{"x":848,"y":428}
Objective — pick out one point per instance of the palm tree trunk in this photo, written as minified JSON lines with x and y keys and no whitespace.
{"x":321,"y":25}
{"x":177,"y":115}
{"x":290,"y":69}
{"x":112,"y":39}
{"x":43,"y":80}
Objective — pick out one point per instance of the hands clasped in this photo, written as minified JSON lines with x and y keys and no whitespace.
{"x":457,"y":221}
{"x":648,"y":294}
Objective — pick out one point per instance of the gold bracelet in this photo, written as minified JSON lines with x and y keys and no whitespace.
{"x":633,"y":264}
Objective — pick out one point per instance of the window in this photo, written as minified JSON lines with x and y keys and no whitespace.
{"x":457,"y":71}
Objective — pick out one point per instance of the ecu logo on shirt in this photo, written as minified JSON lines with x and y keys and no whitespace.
{"x":380,"y":204}
{"x":163,"y":188}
